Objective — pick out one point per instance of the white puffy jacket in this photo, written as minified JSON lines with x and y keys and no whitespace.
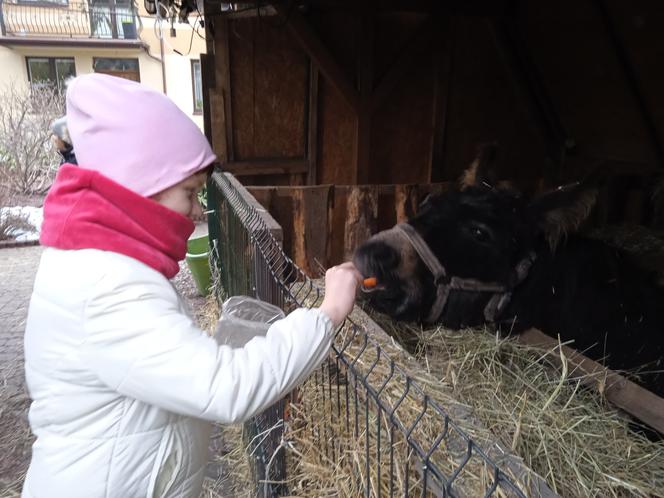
{"x":123,"y":383}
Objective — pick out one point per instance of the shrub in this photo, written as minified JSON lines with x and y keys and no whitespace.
{"x":28,"y":161}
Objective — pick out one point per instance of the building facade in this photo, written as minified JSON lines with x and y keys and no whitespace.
{"x":48,"y":41}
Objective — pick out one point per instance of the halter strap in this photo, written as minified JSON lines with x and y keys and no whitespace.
{"x":502,"y":294}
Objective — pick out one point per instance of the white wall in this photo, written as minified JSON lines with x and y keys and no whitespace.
{"x":13,"y":67}
{"x":178,"y":69}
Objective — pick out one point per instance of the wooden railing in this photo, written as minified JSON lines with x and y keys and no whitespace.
{"x":74,"y":19}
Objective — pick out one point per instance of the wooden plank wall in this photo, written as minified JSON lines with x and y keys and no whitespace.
{"x":401,"y":93}
{"x":323,"y":224}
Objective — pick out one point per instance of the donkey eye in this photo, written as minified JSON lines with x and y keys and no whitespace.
{"x":480,"y":233}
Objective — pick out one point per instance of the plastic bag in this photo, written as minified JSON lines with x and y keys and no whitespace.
{"x":243,"y":318}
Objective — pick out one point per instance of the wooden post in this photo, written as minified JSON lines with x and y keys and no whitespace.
{"x":443,"y":67}
{"x":312,"y":125}
{"x":312,"y":227}
{"x":224,"y":81}
{"x":405,"y":202}
{"x":361,"y":217}
{"x":299,"y":247}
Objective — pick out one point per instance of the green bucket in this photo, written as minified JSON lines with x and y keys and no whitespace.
{"x":198,"y":262}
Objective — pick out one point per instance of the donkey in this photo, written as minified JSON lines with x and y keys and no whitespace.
{"x":485,"y":254}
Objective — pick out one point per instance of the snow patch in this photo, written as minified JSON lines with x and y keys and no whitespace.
{"x":34,"y":215}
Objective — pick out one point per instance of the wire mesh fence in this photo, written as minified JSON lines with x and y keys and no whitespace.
{"x":361,"y":422}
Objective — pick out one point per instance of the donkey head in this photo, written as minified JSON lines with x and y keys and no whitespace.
{"x":479,"y":231}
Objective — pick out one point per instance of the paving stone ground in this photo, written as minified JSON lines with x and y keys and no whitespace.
{"x":17,"y":272}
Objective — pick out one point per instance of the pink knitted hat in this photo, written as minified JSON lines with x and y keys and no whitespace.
{"x":133,"y":135}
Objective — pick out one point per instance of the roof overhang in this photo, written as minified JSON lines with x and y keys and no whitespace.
{"x":34,"y":41}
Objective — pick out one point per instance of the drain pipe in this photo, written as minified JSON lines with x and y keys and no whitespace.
{"x":161,"y":62}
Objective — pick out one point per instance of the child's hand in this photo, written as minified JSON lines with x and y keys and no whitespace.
{"x":341,"y":283}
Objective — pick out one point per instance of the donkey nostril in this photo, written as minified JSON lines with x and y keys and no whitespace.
{"x":375,"y":259}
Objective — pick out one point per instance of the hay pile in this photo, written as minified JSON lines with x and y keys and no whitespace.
{"x":234,"y":475}
{"x":335,"y":428}
{"x":15,"y":436}
{"x":563,"y":432}
{"x":228,"y":473}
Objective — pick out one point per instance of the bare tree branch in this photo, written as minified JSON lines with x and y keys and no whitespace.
{"x":28,"y":161}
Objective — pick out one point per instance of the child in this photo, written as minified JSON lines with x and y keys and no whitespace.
{"x":123,"y":383}
{"x":61,"y":141}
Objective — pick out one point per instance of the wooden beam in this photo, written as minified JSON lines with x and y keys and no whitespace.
{"x":312,"y":125}
{"x":319,"y":54}
{"x":266,"y":167}
{"x":623,"y":393}
{"x":419,"y":43}
{"x":365,"y":70}
{"x":443,"y":70}
{"x":631,"y":78}
{"x":263,"y":11}
{"x":224,"y":79}
{"x":513,"y":49}
{"x":208,"y":83}
{"x":383,"y":189}
{"x":478,"y":8}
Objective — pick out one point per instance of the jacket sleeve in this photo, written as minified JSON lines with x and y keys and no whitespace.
{"x":140,"y":344}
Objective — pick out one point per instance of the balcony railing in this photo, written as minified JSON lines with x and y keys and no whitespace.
{"x":62,"y":19}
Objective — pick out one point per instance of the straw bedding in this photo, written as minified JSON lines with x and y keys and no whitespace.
{"x":565,"y":433}
{"x":501,"y":393}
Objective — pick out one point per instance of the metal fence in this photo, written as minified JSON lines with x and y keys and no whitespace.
{"x":375,"y":419}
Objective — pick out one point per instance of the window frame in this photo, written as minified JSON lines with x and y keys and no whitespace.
{"x":196,"y":111}
{"x":53,"y":71}
{"x":115,"y":73}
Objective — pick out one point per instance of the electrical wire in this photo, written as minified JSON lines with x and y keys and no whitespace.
{"x":191,"y":38}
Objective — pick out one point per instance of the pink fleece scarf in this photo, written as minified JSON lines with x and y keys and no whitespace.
{"x":86,"y":210}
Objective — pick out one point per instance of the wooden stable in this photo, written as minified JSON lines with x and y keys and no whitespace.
{"x":402,"y":92}
{"x":303,"y":219}
{"x":343,"y":115}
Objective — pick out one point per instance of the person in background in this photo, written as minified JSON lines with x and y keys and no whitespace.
{"x":62,"y":142}
{"x":124,"y":385}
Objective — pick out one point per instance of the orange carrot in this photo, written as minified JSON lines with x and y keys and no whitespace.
{"x":370,"y":282}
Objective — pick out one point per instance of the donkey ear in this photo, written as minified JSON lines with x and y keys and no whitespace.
{"x":480,"y":172}
{"x":561,"y":211}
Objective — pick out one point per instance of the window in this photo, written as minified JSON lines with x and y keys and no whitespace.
{"x":52,"y":71}
{"x":113,"y":19}
{"x":197,"y":85}
{"x":124,"y":68}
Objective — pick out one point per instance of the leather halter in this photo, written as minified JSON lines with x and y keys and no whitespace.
{"x":502,"y":293}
